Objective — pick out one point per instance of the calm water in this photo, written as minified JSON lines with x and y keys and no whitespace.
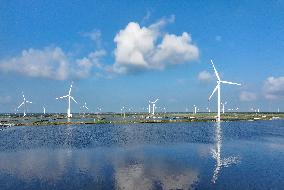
{"x":231,"y":155}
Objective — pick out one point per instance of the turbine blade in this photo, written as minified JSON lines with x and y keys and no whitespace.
{"x":156,"y":100}
{"x":21,"y":105}
{"x":227,"y":82}
{"x":86,"y":107}
{"x":213,"y":92}
{"x":29,"y":102}
{"x":62,"y":97}
{"x":73,"y":99}
{"x":70,"y":87}
{"x":216,"y":73}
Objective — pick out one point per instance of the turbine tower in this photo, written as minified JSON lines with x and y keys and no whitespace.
{"x":25,"y":104}
{"x":69,"y":101}
{"x":153,"y":106}
{"x":217,"y":88}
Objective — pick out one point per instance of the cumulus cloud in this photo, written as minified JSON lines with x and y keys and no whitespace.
{"x":247,"y":96}
{"x":205,"y":76}
{"x":273,"y":88}
{"x":50,"y":63}
{"x":137,"y":48}
{"x":84,"y":65}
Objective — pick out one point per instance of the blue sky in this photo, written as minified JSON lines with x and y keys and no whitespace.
{"x":123,"y":53}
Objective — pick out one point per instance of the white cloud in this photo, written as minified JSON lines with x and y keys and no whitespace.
{"x":137,"y":48}
{"x":247,"y":96}
{"x":51,"y":63}
{"x":205,"y":76}
{"x":84,"y":65}
{"x":95,"y":35}
{"x":175,"y":50}
{"x":273,"y":88}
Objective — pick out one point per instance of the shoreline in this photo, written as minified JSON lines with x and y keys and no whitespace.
{"x":7,"y":121}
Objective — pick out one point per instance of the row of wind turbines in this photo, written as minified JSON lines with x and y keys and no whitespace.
{"x":152,"y":104}
{"x":68,"y":97}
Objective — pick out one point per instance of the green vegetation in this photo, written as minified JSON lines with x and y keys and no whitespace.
{"x":7,"y":120}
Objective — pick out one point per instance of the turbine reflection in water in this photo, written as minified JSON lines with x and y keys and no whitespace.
{"x":216,"y":154}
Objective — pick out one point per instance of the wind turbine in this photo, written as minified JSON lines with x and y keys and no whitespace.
{"x":123,"y":111}
{"x":99,"y":110}
{"x":153,"y":106}
{"x":69,"y":100}
{"x":25,"y":104}
{"x":43,"y":110}
{"x":208,"y":109}
{"x":217,"y":88}
{"x":85,"y":107}
{"x":195,"y":108}
{"x":223,"y":107}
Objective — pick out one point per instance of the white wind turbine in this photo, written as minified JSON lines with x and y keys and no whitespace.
{"x":123,"y":111}
{"x":208,"y":109}
{"x":85,"y":107}
{"x":25,"y":104}
{"x":219,"y":81}
{"x":69,"y":100}
{"x":223,"y":106}
{"x":153,"y":106}
{"x":43,"y":110}
{"x":195,"y":108}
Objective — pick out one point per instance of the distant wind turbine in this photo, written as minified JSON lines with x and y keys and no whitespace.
{"x":24,"y":103}
{"x":43,"y":109}
{"x":69,"y":100}
{"x":208,"y":109}
{"x":195,"y":108}
{"x":217,"y":88}
{"x":223,"y":107}
{"x":123,"y":111}
{"x":85,"y":108}
{"x":153,"y":106}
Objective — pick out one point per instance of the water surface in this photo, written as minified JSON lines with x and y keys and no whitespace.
{"x":230,"y":155}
